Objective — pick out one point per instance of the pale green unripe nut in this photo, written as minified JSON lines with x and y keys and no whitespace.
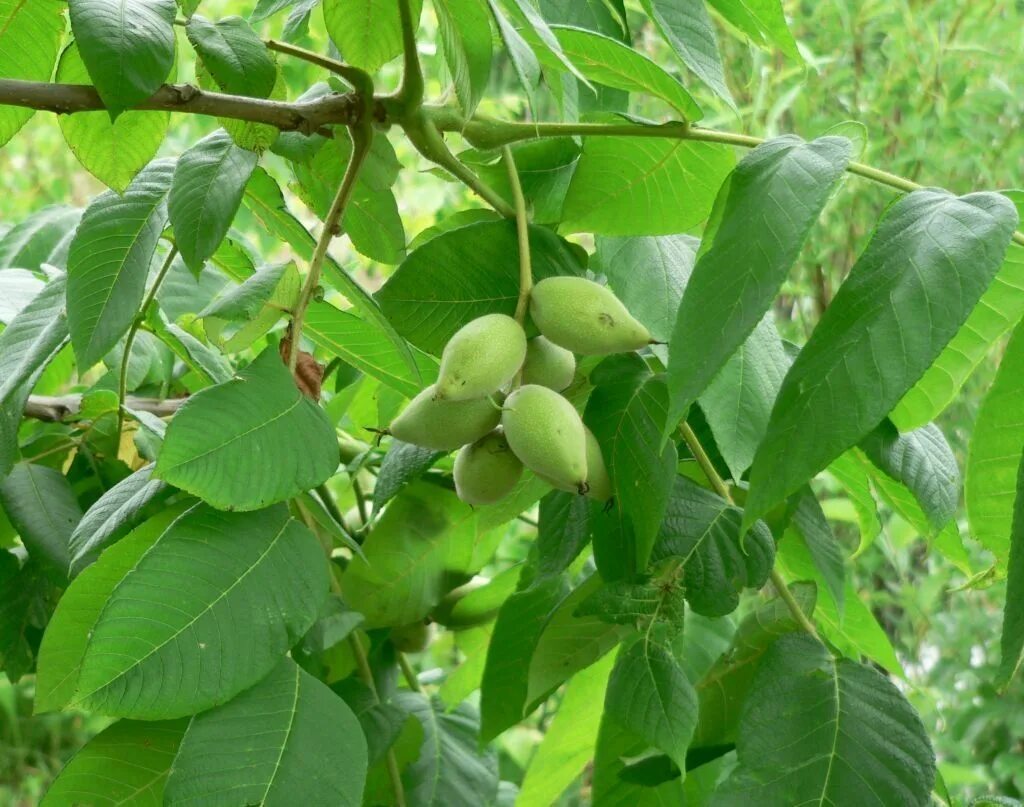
{"x":444,"y":425}
{"x":548,"y":364}
{"x":545,"y":431}
{"x":486,"y":471}
{"x":597,"y":473}
{"x":481,"y":357}
{"x":585,"y":317}
{"x":412,"y":638}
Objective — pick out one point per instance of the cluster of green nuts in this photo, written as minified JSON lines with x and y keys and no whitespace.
{"x":497,"y":397}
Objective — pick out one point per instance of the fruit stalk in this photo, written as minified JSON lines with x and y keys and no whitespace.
{"x":523,"y":231}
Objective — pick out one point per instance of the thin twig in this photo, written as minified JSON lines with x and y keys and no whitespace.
{"x":523,"y":232}
{"x":408,"y":672}
{"x":129,"y":340}
{"x":353,"y":75}
{"x":54,"y":409}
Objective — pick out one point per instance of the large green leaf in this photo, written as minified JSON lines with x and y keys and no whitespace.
{"x":464,"y":29}
{"x":17,"y":288}
{"x":953,"y":246}
{"x":687,"y":27}
{"x":27,"y":345}
{"x":367,"y":32}
{"x":209,"y":182}
{"x":994,"y":453}
{"x":569,"y":740}
{"x":127,"y":45}
{"x":650,"y":696}
{"x":127,"y":763}
{"x":703,"y":529}
{"x":649,"y":274}
{"x":737,"y":404}
{"x":402,"y":464}
{"x":234,"y":54}
{"x":112,"y":515}
{"x":1012,"y":644}
{"x":42,"y":237}
{"x":762,"y":217}
{"x":644,"y":185}
{"x":517,"y":631}
{"x":451,"y":768}
{"x":810,"y":525}
{"x":763,"y":21}
{"x":562,"y":532}
{"x":723,"y":689}
{"x":998,"y":311}
{"x":287,"y":739}
{"x":163,"y":641}
{"x":41,"y":505}
{"x":816,"y":729}
{"x":626,"y":413}
{"x":110,"y":259}
{"x":524,"y":60}
{"x":112,"y":151}
{"x":30,"y":35}
{"x":463,"y":274}
{"x":416,"y":553}
{"x":236,"y":445}
{"x":615,"y":64}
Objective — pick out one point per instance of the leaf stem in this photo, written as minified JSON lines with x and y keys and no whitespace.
{"x":408,"y":672}
{"x":708,"y":467}
{"x":366,"y":674}
{"x":359,"y":79}
{"x":410,"y":92}
{"x":523,"y":232}
{"x":129,"y":340}
{"x":362,"y":137}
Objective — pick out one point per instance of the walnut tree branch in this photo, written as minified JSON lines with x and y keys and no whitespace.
{"x":61,"y":407}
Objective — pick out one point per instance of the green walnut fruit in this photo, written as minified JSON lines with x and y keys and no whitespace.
{"x":585,"y":317}
{"x":480,"y":358}
{"x":545,"y":431}
{"x":548,"y":364}
{"x":413,"y":638}
{"x":486,"y":471}
{"x":597,"y":472}
{"x":444,"y":425}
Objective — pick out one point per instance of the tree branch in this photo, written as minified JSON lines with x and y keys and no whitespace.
{"x":301,"y":116}
{"x":57,"y":408}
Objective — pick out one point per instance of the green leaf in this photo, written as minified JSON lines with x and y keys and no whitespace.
{"x":650,"y":696}
{"x":545,"y":169}
{"x":127,"y":45}
{"x":569,"y":740}
{"x":465,"y":31}
{"x":112,"y":151}
{"x":641,"y":604}
{"x":234,"y":445}
{"x":127,"y":763}
{"x":42,"y":507}
{"x":703,"y":529}
{"x":402,"y":464}
{"x":116,"y":512}
{"x":562,"y":532}
{"x":923,"y":463}
{"x":27,"y":345}
{"x":644,"y":185}
{"x":763,"y":22}
{"x":826,"y":730}
{"x":234,"y":54}
{"x":737,"y":404}
{"x":723,"y":689}
{"x":524,"y":60}
{"x":168,"y":643}
{"x":610,"y":62}
{"x":992,"y":459}
{"x":451,"y":768}
{"x":997,"y":312}
{"x":762,"y":218}
{"x":41,"y":238}
{"x":649,"y":275}
{"x":30,"y":37}
{"x":687,"y":27}
{"x":466,"y":273}
{"x":810,"y":525}
{"x":543,"y":39}
{"x":517,"y":631}
{"x":367,"y":32}
{"x":17,"y":288}
{"x":264,"y":200}
{"x":288,"y":738}
{"x":626,"y":413}
{"x":209,"y":182}
{"x":110,"y":259}
{"x":246,"y":301}
{"x":414,"y":556}
{"x":207,"y":363}
{"x":851,"y":472}
{"x":1012,"y":643}
{"x":955,"y":245}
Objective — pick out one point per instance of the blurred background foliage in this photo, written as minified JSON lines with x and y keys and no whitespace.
{"x":939,"y":88}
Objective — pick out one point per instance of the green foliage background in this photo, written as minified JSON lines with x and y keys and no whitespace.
{"x":939,"y":87}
